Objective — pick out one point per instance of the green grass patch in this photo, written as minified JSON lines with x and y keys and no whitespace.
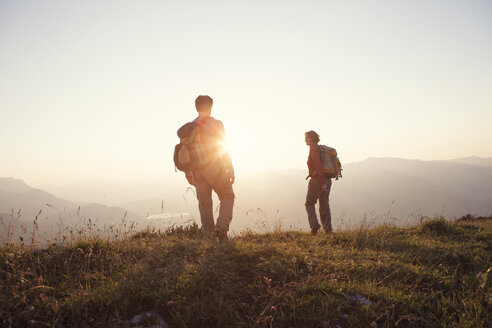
{"x":434,"y":275}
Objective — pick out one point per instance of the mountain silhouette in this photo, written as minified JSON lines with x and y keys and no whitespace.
{"x":20,"y":204}
{"x":377,"y":189}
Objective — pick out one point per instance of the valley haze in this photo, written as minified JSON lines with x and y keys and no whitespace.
{"x":372,"y":191}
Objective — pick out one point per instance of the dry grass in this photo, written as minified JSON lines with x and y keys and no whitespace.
{"x":433,"y":275}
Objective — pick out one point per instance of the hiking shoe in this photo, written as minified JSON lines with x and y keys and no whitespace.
{"x":328,"y":230}
{"x":220,"y":234}
{"x":314,"y":230}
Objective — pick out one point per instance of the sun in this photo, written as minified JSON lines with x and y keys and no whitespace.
{"x":224,"y":146}
{"x":240,"y":147}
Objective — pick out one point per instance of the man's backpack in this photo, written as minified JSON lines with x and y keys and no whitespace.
{"x":189,"y":154}
{"x":331,"y":164}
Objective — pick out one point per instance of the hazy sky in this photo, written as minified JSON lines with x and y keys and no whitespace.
{"x":97,"y":89}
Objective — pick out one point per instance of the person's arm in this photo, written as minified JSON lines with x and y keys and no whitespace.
{"x":226,"y":155}
{"x":318,"y":166}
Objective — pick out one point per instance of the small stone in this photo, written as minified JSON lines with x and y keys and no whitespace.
{"x":361,"y":299}
{"x":142,"y":320}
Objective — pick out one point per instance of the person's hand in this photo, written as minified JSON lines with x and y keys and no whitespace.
{"x":230,"y":177}
{"x":190,"y":178}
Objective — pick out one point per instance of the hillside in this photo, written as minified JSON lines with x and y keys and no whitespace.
{"x":373,"y":190}
{"x":14,"y":185}
{"x":376,"y":189}
{"x":23,"y":207}
{"x":432,"y":275}
{"x":475,"y":161}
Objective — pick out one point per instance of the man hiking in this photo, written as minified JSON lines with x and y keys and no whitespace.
{"x":319,"y":186}
{"x":215,"y":170}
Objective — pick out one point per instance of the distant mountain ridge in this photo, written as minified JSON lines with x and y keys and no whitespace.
{"x":378,"y":189}
{"x":469,"y":180}
{"x":14,"y":185}
{"x":21,"y":204}
{"x":15,"y":194}
{"x":474,"y":160}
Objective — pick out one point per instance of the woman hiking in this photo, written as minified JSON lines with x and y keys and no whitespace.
{"x":318,"y":188}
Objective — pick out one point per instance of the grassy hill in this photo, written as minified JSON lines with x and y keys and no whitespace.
{"x":434,"y":275}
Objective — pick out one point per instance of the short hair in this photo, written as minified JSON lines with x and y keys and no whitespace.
{"x":203,"y":102}
{"x":313,"y":136}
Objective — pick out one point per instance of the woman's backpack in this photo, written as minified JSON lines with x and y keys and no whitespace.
{"x":331,"y":164}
